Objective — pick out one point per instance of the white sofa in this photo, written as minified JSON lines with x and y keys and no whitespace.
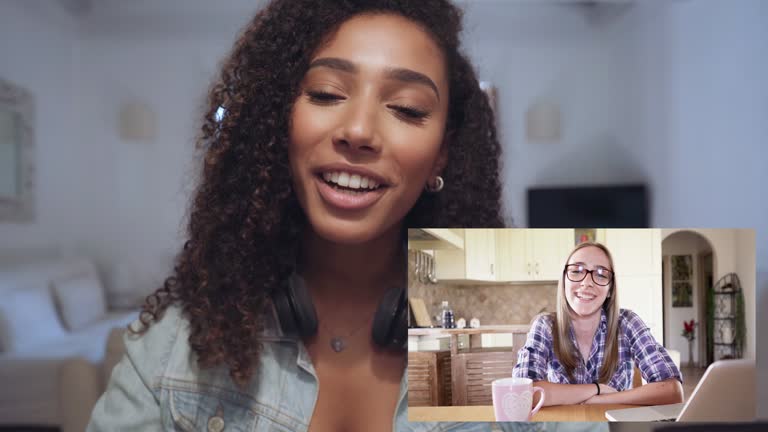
{"x":52,"y":313}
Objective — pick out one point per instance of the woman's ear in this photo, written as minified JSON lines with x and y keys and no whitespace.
{"x":442,"y":155}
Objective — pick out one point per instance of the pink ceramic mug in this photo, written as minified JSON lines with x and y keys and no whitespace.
{"x":512,"y":399}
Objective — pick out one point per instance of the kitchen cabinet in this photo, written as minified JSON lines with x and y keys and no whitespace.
{"x":505,"y":255}
{"x":476,"y":262}
{"x":435,"y":238}
{"x":532,"y":254}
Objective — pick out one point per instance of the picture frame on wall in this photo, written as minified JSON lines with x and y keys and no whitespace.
{"x":682,"y":286}
{"x":682,"y":294}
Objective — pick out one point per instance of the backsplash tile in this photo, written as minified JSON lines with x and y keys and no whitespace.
{"x":491,"y":304}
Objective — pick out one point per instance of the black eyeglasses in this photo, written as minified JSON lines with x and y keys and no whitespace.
{"x":577,"y":273}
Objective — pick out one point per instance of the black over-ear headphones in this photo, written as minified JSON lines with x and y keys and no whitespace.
{"x":297,"y":314}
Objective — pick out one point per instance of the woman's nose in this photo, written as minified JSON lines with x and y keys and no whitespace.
{"x":358,"y":129}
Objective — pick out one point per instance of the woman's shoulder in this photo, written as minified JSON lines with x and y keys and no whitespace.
{"x":631,"y":321}
{"x":150,"y":351}
{"x":543,"y":322}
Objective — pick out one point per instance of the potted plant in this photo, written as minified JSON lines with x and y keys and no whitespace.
{"x":689,"y":332}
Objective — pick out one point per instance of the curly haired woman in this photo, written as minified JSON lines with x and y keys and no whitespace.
{"x":334,"y":126}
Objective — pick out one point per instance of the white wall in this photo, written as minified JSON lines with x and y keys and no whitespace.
{"x":151,"y":181}
{"x":69,"y":175}
{"x":552,"y":53}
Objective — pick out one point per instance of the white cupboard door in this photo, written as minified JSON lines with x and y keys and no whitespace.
{"x":511,"y":255}
{"x":637,"y":260}
{"x":550,"y":248}
{"x":635,"y":251}
{"x":480,"y":250}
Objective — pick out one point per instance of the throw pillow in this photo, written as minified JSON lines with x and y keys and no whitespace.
{"x":28,"y":318}
{"x":80,"y":299}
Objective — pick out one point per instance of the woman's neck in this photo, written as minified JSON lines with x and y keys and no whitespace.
{"x":585,"y":326}
{"x":351,"y":274}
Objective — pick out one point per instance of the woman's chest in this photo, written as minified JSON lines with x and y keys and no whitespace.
{"x":284,"y":395}
{"x":356,"y":397}
{"x":589,"y":369}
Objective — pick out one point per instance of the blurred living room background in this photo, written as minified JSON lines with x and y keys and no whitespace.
{"x":665,"y":98}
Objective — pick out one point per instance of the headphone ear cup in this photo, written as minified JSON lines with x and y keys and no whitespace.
{"x":284,"y":311}
{"x":390,"y":322}
{"x":295,"y":308}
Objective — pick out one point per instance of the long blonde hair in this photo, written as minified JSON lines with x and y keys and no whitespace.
{"x":565,"y":350}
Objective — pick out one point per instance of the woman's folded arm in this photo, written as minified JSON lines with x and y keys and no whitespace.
{"x":665,"y":392}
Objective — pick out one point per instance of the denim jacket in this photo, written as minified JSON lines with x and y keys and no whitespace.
{"x":157,"y":385}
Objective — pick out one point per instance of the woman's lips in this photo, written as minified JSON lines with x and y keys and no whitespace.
{"x":344,"y":200}
{"x":584,"y":298}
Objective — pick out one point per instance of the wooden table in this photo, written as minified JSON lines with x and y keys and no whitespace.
{"x":594,"y":413}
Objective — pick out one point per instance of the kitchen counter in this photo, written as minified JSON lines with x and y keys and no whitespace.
{"x":512,"y":328}
{"x":454,"y":333}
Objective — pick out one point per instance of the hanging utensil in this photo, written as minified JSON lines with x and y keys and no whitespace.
{"x":432,"y":277}
{"x":420,"y":266}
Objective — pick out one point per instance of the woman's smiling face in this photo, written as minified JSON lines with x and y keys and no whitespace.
{"x":587,"y":297}
{"x":368,"y":126}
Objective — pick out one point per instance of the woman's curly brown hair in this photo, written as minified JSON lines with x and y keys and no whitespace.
{"x":245,"y":220}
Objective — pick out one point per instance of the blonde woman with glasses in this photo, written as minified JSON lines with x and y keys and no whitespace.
{"x":585,"y":352}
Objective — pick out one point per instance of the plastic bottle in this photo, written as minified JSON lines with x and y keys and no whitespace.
{"x":447,"y":314}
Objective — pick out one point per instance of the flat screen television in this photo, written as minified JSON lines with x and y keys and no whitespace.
{"x":623,"y":206}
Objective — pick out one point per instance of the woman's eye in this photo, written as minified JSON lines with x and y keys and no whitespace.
{"x":409,"y":113}
{"x":322,"y":97}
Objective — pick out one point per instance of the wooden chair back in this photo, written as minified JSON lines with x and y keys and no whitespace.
{"x":429,"y":378}
{"x":474,"y":372}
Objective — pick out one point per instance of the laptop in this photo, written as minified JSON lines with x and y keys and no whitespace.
{"x":726,"y":392}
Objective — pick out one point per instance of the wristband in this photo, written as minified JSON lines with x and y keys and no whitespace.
{"x":598,"y":387}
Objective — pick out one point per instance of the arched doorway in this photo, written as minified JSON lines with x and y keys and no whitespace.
{"x":688,"y":261}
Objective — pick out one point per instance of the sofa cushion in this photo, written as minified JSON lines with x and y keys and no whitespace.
{"x":80,"y":299}
{"x":28,"y":317}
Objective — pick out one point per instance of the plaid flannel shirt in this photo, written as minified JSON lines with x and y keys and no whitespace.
{"x":537,"y":361}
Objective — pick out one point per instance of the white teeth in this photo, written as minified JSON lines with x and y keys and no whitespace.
{"x":343,"y":179}
{"x":352,"y":181}
{"x":585,"y":297}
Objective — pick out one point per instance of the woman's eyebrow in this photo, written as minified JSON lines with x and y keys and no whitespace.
{"x":399,"y":74}
{"x":411,"y":76}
